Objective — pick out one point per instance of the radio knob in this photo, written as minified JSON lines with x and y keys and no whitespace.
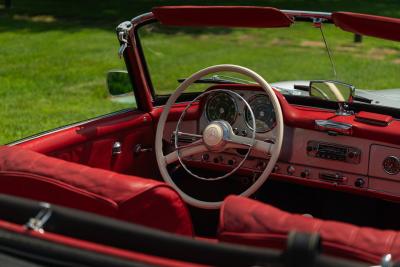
{"x":291,"y":170}
{"x":359,"y":182}
{"x":205,"y":157}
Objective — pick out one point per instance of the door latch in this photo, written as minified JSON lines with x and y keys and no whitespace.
{"x":123,"y":32}
{"x":140,"y":149}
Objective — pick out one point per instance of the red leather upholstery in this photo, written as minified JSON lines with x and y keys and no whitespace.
{"x":143,"y":201}
{"x":250,"y":222}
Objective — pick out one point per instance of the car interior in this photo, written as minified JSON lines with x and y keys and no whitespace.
{"x":238,"y":163}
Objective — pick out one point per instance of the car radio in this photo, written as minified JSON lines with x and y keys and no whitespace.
{"x":333,"y":152}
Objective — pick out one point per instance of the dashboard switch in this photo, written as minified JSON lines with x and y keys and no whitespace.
{"x":276,"y":169}
{"x":359,"y":182}
{"x":205,"y":157}
{"x":232,"y":162}
{"x":291,"y":170}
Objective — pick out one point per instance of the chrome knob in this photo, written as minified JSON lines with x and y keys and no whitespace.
{"x":117,"y":148}
{"x":291,"y":170}
{"x":276,"y":169}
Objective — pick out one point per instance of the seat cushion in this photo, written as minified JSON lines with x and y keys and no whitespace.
{"x":246,"y":221}
{"x":143,"y":201}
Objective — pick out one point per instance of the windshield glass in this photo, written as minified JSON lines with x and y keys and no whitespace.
{"x":293,"y":54}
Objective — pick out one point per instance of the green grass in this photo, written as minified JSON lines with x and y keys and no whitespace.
{"x":54,"y":56}
{"x":295,"y":53}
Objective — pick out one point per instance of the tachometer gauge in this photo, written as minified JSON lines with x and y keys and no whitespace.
{"x":264,"y":113}
{"x":221,"y":106}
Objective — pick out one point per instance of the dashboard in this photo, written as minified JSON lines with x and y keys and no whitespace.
{"x":226,"y":106}
{"x":358,"y":161}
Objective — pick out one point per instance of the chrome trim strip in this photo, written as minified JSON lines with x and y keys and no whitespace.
{"x":333,"y":124}
{"x":68,"y":126}
{"x":142,"y":18}
{"x":311,"y":14}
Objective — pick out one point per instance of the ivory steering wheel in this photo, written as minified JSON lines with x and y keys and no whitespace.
{"x":218,"y":136}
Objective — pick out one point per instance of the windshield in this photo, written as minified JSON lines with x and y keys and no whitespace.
{"x":296,"y":54}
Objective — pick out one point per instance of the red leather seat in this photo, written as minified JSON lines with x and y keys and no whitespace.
{"x":246,"y":221}
{"x":143,"y":201}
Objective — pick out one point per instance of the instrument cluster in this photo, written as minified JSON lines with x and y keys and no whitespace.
{"x":227,"y":107}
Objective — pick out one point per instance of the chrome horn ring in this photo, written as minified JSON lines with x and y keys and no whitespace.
{"x":216,"y":135}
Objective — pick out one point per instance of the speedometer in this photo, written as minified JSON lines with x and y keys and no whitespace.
{"x":264,"y":113}
{"x":221,"y":106}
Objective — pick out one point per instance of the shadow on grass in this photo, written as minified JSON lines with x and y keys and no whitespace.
{"x":70,"y":15}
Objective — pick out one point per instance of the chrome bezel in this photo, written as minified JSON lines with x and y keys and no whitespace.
{"x":251,"y":99}
{"x":214,"y":94}
{"x":389,"y":171}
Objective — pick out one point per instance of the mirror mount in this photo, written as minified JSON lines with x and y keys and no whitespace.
{"x":343,"y":110}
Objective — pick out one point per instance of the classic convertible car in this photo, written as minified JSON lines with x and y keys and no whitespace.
{"x":242,"y":159}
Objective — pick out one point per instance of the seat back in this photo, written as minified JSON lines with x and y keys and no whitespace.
{"x":147,"y":202}
{"x":246,"y":221}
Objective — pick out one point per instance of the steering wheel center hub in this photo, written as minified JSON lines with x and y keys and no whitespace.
{"x":213,"y":135}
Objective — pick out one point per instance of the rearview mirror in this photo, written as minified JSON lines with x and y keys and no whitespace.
{"x":332,"y":90}
{"x":118,"y":83}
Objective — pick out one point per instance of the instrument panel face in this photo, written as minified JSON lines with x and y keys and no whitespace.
{"x":228,"y":107}
{"x":221,"y":106}
{"x":264,"y":113}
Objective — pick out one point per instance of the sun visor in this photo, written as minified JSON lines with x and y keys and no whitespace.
{"x":370,"y":25}
{"x":222,"y":16}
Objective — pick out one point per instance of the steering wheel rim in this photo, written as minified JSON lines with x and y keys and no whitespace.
{"x":274,"y":149}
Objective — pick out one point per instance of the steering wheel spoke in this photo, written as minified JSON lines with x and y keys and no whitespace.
{"x":243,"y":142}
{"x":186,"y":151}
{"x":188,"y":136}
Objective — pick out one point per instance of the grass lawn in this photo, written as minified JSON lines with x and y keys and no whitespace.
{"x":54,"y":56}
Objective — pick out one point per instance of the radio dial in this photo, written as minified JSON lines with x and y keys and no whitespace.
{"x":332,"y":151}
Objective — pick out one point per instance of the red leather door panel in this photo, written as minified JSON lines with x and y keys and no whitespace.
{"x":91,"y":143}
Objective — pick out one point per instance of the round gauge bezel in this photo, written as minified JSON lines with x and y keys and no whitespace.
{"x":233,"y":100}
{"x":250,"y":100}
{"x":390,"y":172}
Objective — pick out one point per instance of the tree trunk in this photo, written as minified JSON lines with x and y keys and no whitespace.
{"x":357,"y":38}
